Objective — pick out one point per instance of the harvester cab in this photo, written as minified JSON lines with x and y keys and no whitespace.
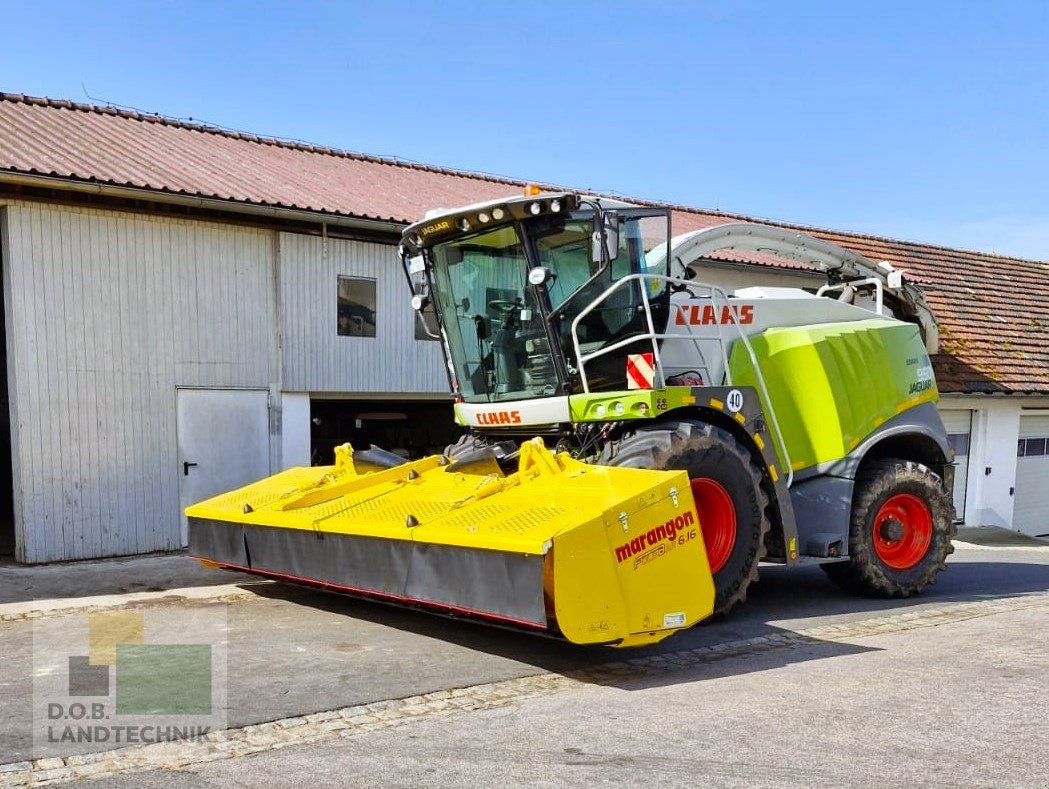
{"x":506,"y":280}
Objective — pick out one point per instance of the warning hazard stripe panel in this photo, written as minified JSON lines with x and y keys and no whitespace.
{"x":640,"y":370}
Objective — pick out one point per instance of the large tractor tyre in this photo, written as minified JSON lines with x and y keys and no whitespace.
{"x":901,"y":531}
{"x":727,"y":485}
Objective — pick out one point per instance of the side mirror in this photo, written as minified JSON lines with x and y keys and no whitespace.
{"x":425,"y":317}
{"x":606,"y":237}
{"x":540,"y":276}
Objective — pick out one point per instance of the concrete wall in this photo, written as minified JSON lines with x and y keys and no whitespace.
{"x":991,"y":481}
{"x":295,"y":429}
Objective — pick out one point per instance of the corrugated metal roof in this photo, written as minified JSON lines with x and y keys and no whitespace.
{"x":992,"y":309}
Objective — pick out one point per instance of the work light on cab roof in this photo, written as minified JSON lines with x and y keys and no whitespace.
{"x":441,"y":223}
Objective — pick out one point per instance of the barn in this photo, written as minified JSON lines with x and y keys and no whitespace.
{"x":186,"y":308}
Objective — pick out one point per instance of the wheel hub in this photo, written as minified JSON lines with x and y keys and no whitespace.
{"x":902,"y":531}
{"x":717,"y":520}
{"x":891,"y":530}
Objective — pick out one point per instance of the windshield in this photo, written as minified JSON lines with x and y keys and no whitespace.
{"x":495,"y":322}
{"x":496,"y":332}
{"x":565,"y":247}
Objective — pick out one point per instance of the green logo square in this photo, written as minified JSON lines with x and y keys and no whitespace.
{"x":163,"y":679}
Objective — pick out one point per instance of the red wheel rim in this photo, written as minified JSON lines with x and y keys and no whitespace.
{"x":717,"y":520}
{"x":902,"y":531}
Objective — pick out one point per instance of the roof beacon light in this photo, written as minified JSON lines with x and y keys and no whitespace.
{"x":535,"y":208}
{"x":531,"y":190}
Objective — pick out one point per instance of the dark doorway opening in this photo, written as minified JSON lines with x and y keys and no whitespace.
{"x":7,"y":500}
{"x":410,"y":428}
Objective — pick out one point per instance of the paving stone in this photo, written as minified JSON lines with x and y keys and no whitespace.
{"x":321,"y":717}
{"x":49,"y":763}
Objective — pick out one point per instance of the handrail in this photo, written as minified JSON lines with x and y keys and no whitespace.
{"x":652,"y":336}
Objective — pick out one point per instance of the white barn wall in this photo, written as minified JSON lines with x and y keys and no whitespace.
{"x":295,"y":430}
{"x":990,"y":496}
{"x":107,"y":313}
{"x":316,"y":358}
{"x":730,"y":278}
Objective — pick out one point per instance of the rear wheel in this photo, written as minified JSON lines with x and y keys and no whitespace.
{"x":901,"y":531}
{"x":727,"y":486}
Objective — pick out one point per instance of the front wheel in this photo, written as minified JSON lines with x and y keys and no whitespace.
{"x":727,"y":487}
{"x":901,"y":531}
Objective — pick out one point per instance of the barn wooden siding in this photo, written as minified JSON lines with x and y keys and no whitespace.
{"x":316,"y":358}
{"x":109,"y":312}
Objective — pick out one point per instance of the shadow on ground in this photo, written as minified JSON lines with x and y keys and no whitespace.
{"x":784,"y":600}
{"x":21,"y":583}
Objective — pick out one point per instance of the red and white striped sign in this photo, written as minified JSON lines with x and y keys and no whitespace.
{"x":640,"y":371}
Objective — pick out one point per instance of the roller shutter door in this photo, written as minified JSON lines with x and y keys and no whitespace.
{"x":1031,"y":505}
{"x":959,"y":428}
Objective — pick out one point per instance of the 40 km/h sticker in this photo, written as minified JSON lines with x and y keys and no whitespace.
{"x":734,"y":401}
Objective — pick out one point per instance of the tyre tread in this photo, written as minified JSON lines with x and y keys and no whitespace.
{"x":864,"y":573}
{"x":652,"y":446}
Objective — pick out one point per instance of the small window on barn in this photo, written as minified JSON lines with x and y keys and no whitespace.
{"x":356,"y":307}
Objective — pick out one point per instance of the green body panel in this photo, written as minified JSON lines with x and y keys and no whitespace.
{"x":833,"y":384}
{"x":630,"y":404}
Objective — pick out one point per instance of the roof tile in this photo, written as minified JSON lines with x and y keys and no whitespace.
{"x":992,"y":309}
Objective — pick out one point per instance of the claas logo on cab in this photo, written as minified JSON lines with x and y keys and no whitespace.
{"x":706,"y":314}
{"x":499,"y":418}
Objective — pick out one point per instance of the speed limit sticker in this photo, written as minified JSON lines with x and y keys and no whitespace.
{"x":734,"y":401}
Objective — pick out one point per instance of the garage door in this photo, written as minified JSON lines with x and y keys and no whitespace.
{"x":959,"y":427}
{"x":1031,"y":506}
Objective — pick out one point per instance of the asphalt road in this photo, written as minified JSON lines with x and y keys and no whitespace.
{"x":960,"y":705}
{"x":294,"y":652}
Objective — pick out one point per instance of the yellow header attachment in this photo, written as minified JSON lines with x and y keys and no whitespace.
{"x":598,"y":554}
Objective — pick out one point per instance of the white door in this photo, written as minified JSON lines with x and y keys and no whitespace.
{"x":959,"y":428}
{"x":223,"y":442}
{"x":1031,"y":506}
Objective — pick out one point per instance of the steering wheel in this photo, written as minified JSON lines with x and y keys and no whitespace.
{"x":503,"y":306}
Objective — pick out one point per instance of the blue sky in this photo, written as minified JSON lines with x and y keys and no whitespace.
{"x":920,"y":120}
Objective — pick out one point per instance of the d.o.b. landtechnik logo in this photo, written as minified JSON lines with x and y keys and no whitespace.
{"x":112,"y":679}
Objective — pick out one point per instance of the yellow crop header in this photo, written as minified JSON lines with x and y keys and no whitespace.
{"x":595,"y":554}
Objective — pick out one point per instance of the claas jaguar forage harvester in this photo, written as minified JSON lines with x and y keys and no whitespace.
{"x":638,"y":442}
